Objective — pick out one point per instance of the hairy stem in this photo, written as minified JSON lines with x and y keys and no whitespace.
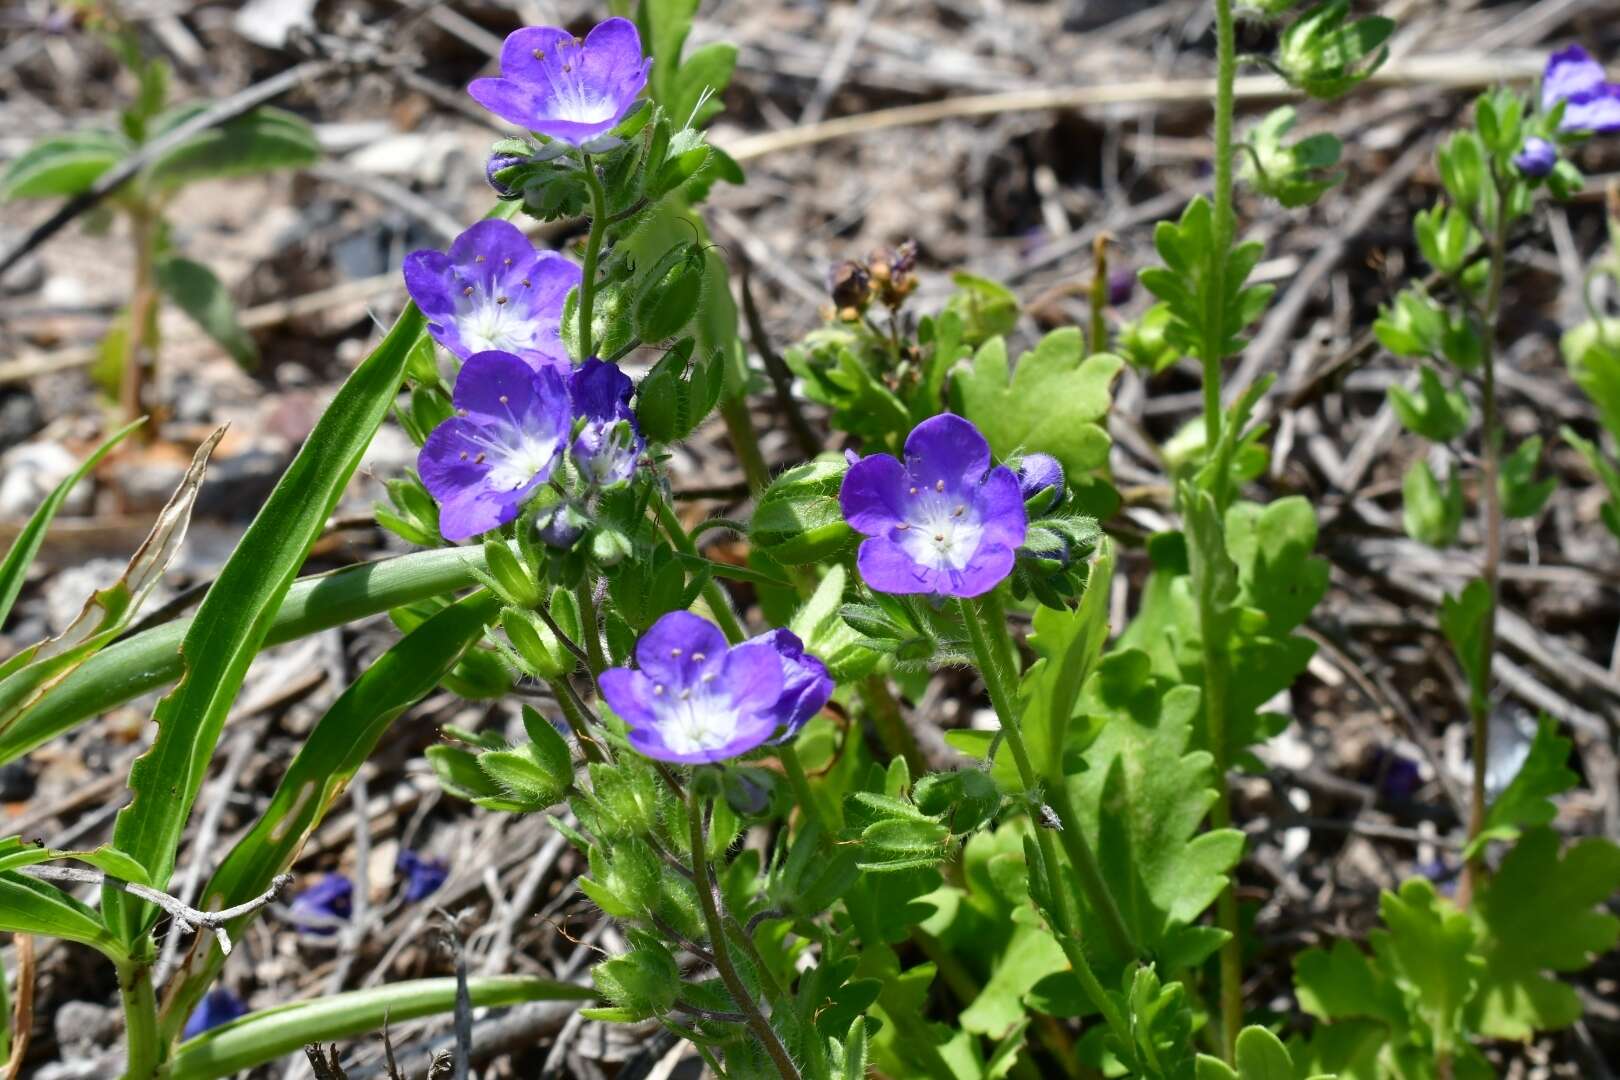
{"x":593,"y":254}
{"x":1491,"y":524}
{"x":595,"y":660}
{"x":722,"y":953}
{"x":1065,"y":918}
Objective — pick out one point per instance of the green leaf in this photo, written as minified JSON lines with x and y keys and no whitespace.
{"x":1522,"y":495}
{"x":1273,"y":547}
{"x":1141,"y":801}
{"x":663,"y":28}
{"x":984,"y":309}
{"x":1291,"y":173}
{"x":1436,"y":413}
{"x":236,"y":615}
{"x":1608,"y":473}
{"x":14,"y":568}
{"x":62,"y":165}
{"x":1527,"y":800}
{"x":143,"y":662}
{"x":1204,"y":288}
{"x":855,"y":1051}
{"x":1053,"y":401}
{"x":1429,"y":947}
{"x":1542,"y":912}
{"x":315,"y":780}
{"x":1463,"y":619}
{"x":259,"y":141}
{"x":1069,"y":644}
{"x":1327,"y":58}
{"x":196,"y":291}
{"x":1592,"y":354}
{"x":820,"y":625}
{"x":1262,"y":1056}
{"x":266,"y":1035}
{"x":1344,"y":983}
{"x":704,"y":75}
{"x":1430,"y":513}
{"x":31,"y":906}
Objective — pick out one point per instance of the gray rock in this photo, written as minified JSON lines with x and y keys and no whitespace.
{"x":30,"y":471}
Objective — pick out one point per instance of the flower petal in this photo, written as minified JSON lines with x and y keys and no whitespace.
{"x":511,"y":101}
{"x":1569,"y":72}
{"x":988,"y":568}
{"x":1597,"y":112}
{"x":486,"y":250}
{"x":887,"y":567}
{"x":873,"y":493}
{"x":498,"y":389}
{"x":752,"y":672}
{"x":1000,"y":507}
{"x":679,"y":648}
{"x":452,"y":460}
{"x":629,"y":694}
{"x":475,"y":511}
{"x":948,"y":449}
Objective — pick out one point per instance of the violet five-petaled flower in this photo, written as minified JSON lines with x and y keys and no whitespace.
{"x":493,"y":291}
{"x":693,"y":699}
{"x":1591,"y":102}
{"x":1536,"y":158}
{"x":608,"y":444}
{"x":218,"y":1006}
{"x":943,"y":522}
{"x":482,"y":464}
{"x":557,"y":85}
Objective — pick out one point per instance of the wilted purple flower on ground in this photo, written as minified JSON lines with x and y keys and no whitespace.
{"x":692,"y":698}
{"x":1592,"y":103}
{"x":422,"y":876}
{"x":218,"y":1006}
{"x":806,"y":686}
{"x":944,"y":522}
{"x":484,"y":462}
{"x":493,"y":290}
{"x":609,"y":445}
{"x":555,"y":84}
{"x":330,"y":898}
{"x":1536,"y":158}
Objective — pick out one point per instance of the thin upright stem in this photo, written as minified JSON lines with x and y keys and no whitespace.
{"x":1065,"y":918}
{"x":593,"y":254}
{"x":799,"y":781}
{"x":138,"y":343}
{"x":740,"y":426}
{"x":713,"y":594}
{"x":1491,"y":524}
{"x":594,"y":657}
{"x":722,"y":953}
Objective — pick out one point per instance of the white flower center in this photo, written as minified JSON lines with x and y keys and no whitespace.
{"x":493,"y":321}
{"x":513,"y":465}
{"x":574,"y":103}
{"x":692,"y":721}
{"x":941,"y":532}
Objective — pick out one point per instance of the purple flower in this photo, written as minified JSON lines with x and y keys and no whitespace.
{"x":218,"y":1006}
{"x":693,"y":698}
{"x":806,"y":686}
{"x":422,"y":876}
{"x":330,"y":898}
{"x":484,"y":462}
{"x":608,"y":445}
{"x":494,"y":291}
{"x":944,"y":522}
{"x":572,"y":90}
{"x":1592,"y":103}
{"x":1537,"y":157}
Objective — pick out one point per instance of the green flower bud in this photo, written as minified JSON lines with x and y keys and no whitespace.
{"x":798,"y":519}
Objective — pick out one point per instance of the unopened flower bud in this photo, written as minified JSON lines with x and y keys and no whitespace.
{"x":1040,"y":477}
{"x":495,"y":164}
{"x":893,"y":273}
{"x":1537,"y":157}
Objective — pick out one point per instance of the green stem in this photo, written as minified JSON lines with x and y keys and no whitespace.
{"x":717,"y":941}
{"x":1216,"y":674}
{"x":890,"y":722}
{"x":799,"y":781}
{"x":1065,"y":918}
{"x":713,"y":594}
{"x":1099,"y":294}
{"x":592,"y":629}
{"x":593,"y":254}
{"x":144,"y":1047}
{"x":740,"y":426}
{"x":575,"y":713}
{"x":1491,"y":515}
{"x":1075,"y":844}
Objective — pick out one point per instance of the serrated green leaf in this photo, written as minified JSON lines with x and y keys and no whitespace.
{"x":1436,"y":413}
{"x":1431,"y":512}
{"x":1053,"y":400}
{"x":196,"y":291}
{"x":1429,"y":947}
{"x":1278,"y":573}
{"x":1527,"y":800}
{"x":1541,"y":912}
{"x":1522,"y":495}
{"x":1462,"y":619}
